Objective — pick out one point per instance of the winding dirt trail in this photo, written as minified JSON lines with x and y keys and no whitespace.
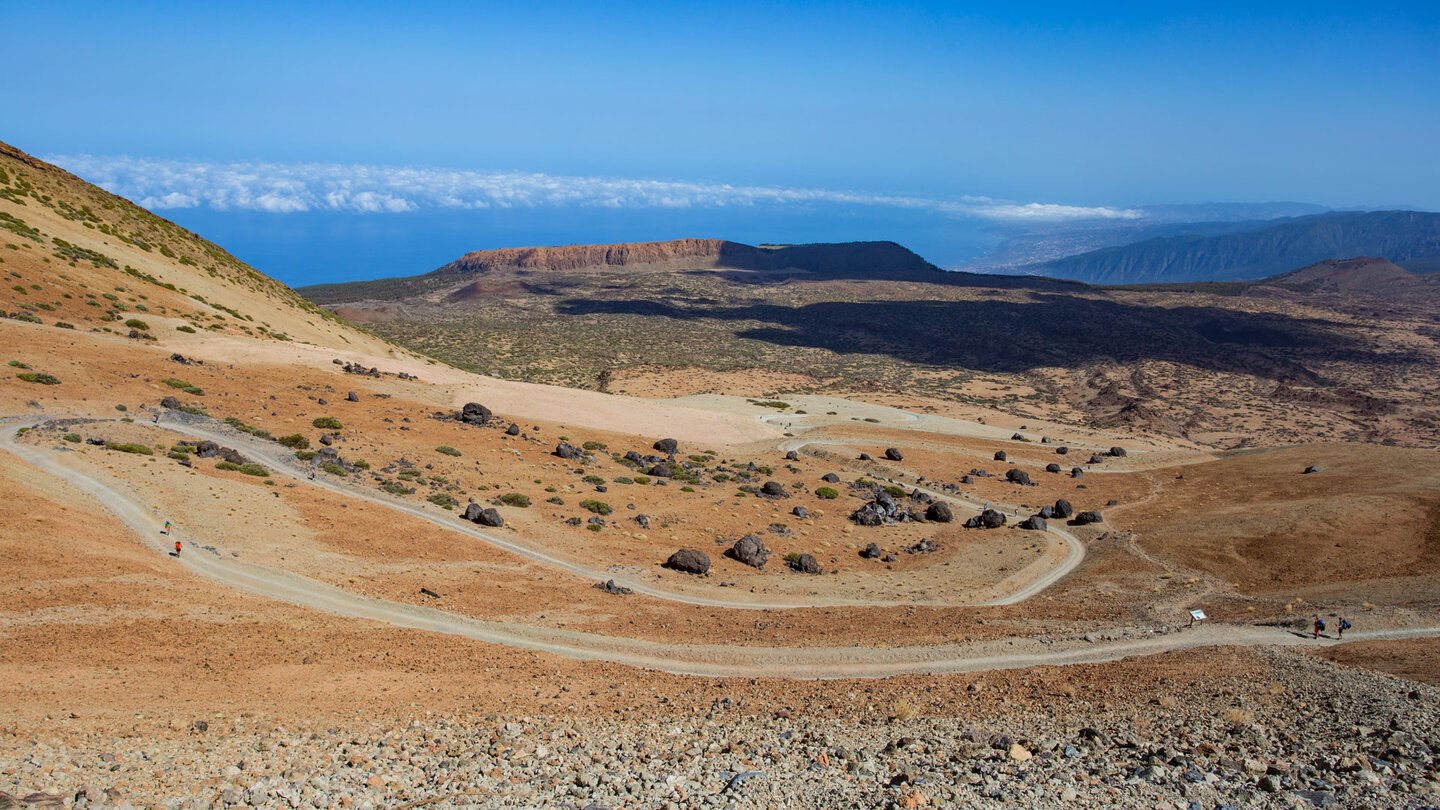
{"x":702,"y":660}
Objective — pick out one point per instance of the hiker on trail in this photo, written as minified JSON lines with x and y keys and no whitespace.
{"x":1319,"y":626}
{"x":166,"y":530}
{"x":156,"y":419}
{"x":312,"y":473}
{"x":1340,"y":627}
{"x":177,"y":548}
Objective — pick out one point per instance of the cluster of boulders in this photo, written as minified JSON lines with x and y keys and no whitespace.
{"x":882,"y":509}
{"x":473,"y":413}
{"x":209,"y":449}
{"x":185,"y":361}
{"x":988,"y":519}
{"x":483,"y":515}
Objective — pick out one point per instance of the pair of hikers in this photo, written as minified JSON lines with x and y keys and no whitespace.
{"x":1340,"y":627}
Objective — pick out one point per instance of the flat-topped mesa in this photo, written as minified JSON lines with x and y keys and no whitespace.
{"x":479,"y":272}
{"x":877,"y":259}
{"x":576,"y":257}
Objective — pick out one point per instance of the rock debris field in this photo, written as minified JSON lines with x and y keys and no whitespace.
{"x":1308,"y":735}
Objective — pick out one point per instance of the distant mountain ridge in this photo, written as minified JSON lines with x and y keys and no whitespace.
{"x":880,"y":260}
{"x":1273,"y":248}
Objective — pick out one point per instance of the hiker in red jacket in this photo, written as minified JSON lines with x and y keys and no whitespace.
{"x":177,"y":548}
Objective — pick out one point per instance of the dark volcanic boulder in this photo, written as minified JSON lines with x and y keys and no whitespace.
{"x":989,"y":519}
{"x":1017,"y":437}
{"x":475,"y":414}
{"x":326,"y":440}
{"x":1118,"y":452}
{"x":690,"y":561}
{"x":351,"y":396}
{"x":800,"y":512}
{"x":792,"y":456}
{"x":830,"y":478}
{"x":662,"y":470}
{"x":512,"y":430}
{"x":967,"y":479}
{"x":865,"y":457}
{"x":871,"y":552}
{"x":207,"y":449}
{"x":806,"y":564}
{"x":1063,"y":509}
{"x":475,"y":513}
{"x":750,"y":550}
{"x":940,"y":512}
{"x":1034,"y":522}
{"x":773,"y":489}
{"x":1018,"y":476}
{"x":1000,"y":455}
{"x":1047,"y":512}
{"x":1062,"y":451}
{"x":1097,"y":458}
{"x":569,"y":452}
{"x":871,"y":514}
{"x":231,"y":455}
{"x":667,"y":446}
{"x":1076,"y":472}
{"x":1044,"y":439}
{"x":1085,"y":518}
{"x":894,"y":454}
{"x":1052,"y":468}
{"x":170,"y":402}
{"x":1308,"y":470}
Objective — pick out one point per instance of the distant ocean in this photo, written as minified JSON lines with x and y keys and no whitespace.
{"x":320,"y":247}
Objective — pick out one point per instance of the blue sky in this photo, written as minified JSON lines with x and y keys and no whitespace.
{"x":1071,"y":104}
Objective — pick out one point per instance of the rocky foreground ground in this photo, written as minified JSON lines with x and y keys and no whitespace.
{"x":1304,"y":734}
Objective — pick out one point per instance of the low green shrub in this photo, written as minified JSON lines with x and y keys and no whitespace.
{"x":334,"y":469}
{"x":251,"y":468}
{"x":828,"y":493}
{"x":592,"y":446}
{"x":228,"y":466}
{"x":447,"y":450}
{"x":177,"y":455}
{"x":397,"y":488}
{"x":294,"y":441}
{"x":326,"y":423}
{"x":598,"y":507}
{"x":894,"y":491}
{"x":593,"y":527}
{"x":73,"y":438}
{"x":39,"y":377}
{"x":361,"y":464}
{"x":515,"y":499}
{"x":556,"y":499}
{"x":18,"y":364}
{"x":441,"y":499}
{"x":642,"y":480}
{"x":305,"y":455}
{"x":593,"y":479}
{"x":136,"y":323}
{"x":137,"y":449}
{"x":186,"y":329}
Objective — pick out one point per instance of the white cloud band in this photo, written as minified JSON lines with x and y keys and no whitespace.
{"x":292,"y":187}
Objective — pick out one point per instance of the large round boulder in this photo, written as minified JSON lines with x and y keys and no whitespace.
{"x":750,"y":550}
{"x":1117,"y":452}
{"x":806,"y":564}
{"x":773,"y":489}
{"x":689,"y":561}
{"x":473,"y":413}
{"x":1035,"y":523}
{"x":667,"y":446}
{"x":1052,"y":468}
{"x":940,"y":512}
{"x":569,"y":452}
{"x":1063,"y":509}
{"x":1085,"y":518}
{"x":1000,"y":455}
{"x":1018,"y":476}
{"x":894,"y":454}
